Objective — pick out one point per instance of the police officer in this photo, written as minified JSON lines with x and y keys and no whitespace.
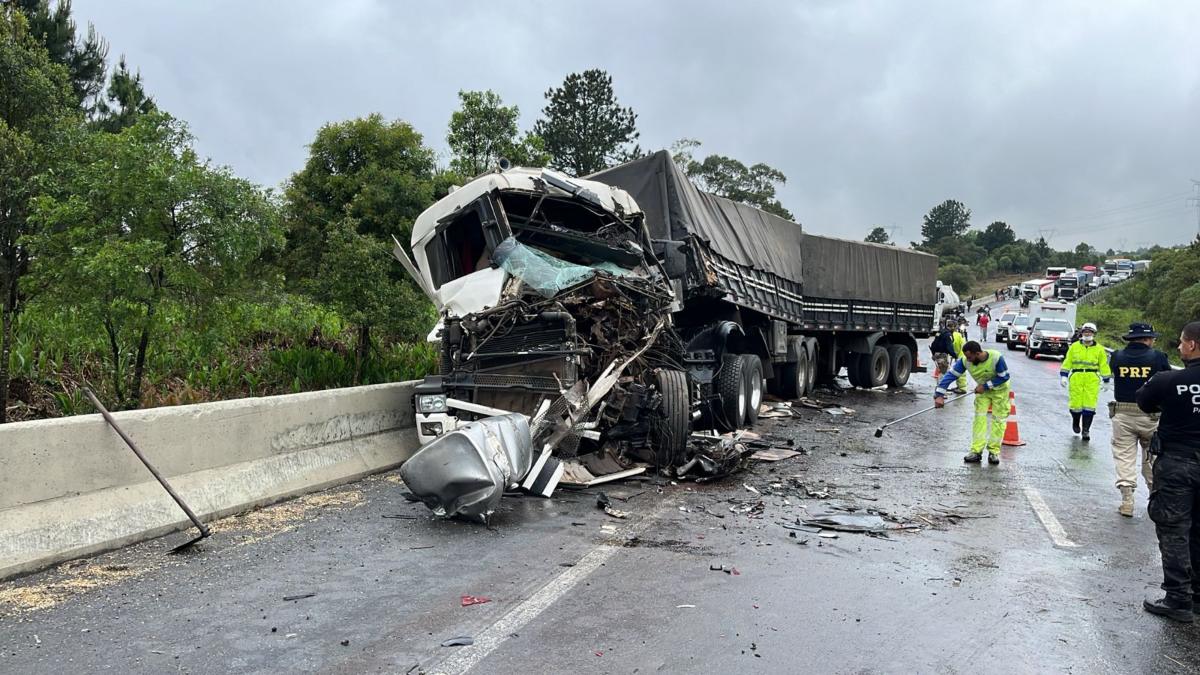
{"x":1132,"y":367}
{"x":1176,"y":469}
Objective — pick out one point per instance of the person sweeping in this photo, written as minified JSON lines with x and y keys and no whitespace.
{"x":1085,"y":366}
{"x":990,"y":373}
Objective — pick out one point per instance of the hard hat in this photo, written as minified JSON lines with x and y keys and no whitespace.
{"x":1088,"y":326}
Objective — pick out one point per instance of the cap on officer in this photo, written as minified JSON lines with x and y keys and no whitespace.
{"x":1138,"y":331}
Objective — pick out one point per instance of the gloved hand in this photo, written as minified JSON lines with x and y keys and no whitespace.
{"x":1062,"y":381}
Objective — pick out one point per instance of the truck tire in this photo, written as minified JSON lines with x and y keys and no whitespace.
{"x":853,"y":369}
{"x":729,"y":414}
{"x":669,"y":430}
{"x":793,"y":378}
{"x":899,"y":365}
{"x":753,"y":374}
{"x":1029,"y":353}
{"x":813,"y":364}
{"x":873,"y":368}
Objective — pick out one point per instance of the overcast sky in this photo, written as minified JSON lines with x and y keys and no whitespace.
{"x":1077,"y":117}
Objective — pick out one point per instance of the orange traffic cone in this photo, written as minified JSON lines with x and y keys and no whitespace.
{"x":1012,"y":435}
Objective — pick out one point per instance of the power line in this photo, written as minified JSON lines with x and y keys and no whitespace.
{"x":1104,"y":213}
{"x":1195,"y":201}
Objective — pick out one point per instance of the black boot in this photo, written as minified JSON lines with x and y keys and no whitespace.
{"x":1075,"y":421}
{"x":1087,"y":426}
{"x":1171,"y":609}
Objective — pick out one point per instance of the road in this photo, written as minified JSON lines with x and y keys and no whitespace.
{"x":1021,"y":567}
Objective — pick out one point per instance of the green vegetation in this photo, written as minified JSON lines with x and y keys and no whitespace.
{"x":971,"y":258}
{"x":1167,"y":296}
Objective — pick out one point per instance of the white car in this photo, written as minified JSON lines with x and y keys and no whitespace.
{"x":1003,"y":324}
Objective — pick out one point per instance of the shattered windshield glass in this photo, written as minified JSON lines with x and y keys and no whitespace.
{"x":544,"y":273}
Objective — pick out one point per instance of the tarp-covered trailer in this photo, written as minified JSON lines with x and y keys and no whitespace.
{"x":806,"y":304}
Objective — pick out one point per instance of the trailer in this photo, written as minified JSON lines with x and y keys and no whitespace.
{"x":626,"y":310}
{"x":1036,"y":290}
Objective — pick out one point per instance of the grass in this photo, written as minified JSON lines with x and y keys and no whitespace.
{"x":985,"y":287}
{"x":234,"y":350}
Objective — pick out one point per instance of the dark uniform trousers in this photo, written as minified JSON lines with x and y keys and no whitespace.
{"x":1175,"y":509}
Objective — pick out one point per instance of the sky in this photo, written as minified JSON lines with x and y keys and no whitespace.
{"x":1079,"y":121}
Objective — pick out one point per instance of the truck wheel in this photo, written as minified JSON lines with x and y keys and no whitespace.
{"x":1030,"y":353}
{"x":873,"y":368}
{"x":813,"y":364}
{"x":794,"y":375}
{"x":730,"y":411}
{"x":900,"y":365}
{"x":669,"y":430}
{"x":752,"y":371}
{"x":853,"y":369}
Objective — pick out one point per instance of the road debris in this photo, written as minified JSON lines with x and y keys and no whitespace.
{"x":462,"y":641}
{"x":465,"y":472}
{"x":774,"y":454}
{"x":603,"y":502}
{"x":468,"y":600}
{"x":301,"y":596}
{"x":854,"y":520}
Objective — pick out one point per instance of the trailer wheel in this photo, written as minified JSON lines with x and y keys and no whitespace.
{"x":669,"y":430}
{"x":730,"y":412}
{"x":794,"y":375}
{"x":752,"y":371}
{"x":899,"y":365}
{"x":810,"y":384}
{"x":854,"y":369}
{"x":873,"y":368}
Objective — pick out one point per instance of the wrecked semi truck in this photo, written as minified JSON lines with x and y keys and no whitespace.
{"x":625,"y":311}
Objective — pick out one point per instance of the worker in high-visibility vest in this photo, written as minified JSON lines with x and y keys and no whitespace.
{"x":1082,"y":371}
{"x":990,"y":372}
{"x":959,"y":339}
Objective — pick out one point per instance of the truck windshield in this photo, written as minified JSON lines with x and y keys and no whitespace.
{"x":1007,"y":317}
{"x":1022,"y":320}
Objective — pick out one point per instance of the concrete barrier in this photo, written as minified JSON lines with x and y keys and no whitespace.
{"x":70,"y":487}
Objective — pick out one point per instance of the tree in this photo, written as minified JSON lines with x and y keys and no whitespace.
{"x":996,"y":235}
{"x":584,"y":127}
{"x":36,"y":102}
{"x":483,"y":130}
{"x":957,"y":275}
{"x":365,"y":180}
{"x":944,"y":221}
{"x":126,"y":100}
{"x":878,"y":236}
{"x":730,"y":178}
{"x":142,"y":221}
{"x":83,"y":58}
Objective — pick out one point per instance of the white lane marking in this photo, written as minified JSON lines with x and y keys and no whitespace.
{"x":467,"y":658}
{"x":495,"y":635}
{"x":1054,"y":528}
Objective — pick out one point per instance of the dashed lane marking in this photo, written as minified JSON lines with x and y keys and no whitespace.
{"x":1054,"y":528}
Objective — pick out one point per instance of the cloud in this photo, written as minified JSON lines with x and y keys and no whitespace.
{"x":1072,"y":117}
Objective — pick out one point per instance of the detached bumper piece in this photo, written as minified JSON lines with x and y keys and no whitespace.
{"x":465,"y":472}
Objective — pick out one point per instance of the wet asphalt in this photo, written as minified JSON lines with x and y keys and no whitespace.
{"x":1021,"y":567}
